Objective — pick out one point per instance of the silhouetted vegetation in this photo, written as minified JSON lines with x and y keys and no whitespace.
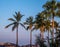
{"x":40,"y":42}
{"x":15,"y":23}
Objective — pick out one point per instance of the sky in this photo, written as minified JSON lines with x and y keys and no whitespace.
{"x":26,"y":8}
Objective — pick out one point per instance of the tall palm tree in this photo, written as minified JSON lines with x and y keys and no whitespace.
{"x":48,"y":26}
{"x":47,"y":23}
{"x":40,"y":23}
{"x":29,"y":22}
{"x":15,"y":23}
{"x":51,"y":6}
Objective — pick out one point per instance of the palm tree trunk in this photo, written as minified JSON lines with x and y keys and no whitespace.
{"x":48,"y":39}
{"x":30,"y":38}
{"x":56,"y":39}
{"x":42,"y":35}
{"x":17,"y":37}
{"x":53,"y":29}
{"x":53,"y":14}
{"x":42,"y":31}
{"x":42,"y":38}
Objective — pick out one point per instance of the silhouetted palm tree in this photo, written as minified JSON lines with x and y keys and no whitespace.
{"x":40,"y":24}
{"x":15,"y":23}
{"x":46,"y":14}
{"x":51,"y":6}
{"x":29,"y":22}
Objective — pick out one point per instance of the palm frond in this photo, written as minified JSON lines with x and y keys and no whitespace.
{"x":58,"y":13}
{"x":27,"y":28}
{"x":58,"y":5}
{"x":15,"y":26}
{"x":25,"y":23}
{"x":33,"y":29}
{"x":16,"y":13}
{"x":15,"y":17}
{"x":18,"y":16}
{"x":23,"y":26}
{"x":47,"y":5}
{"x":9,"y":25}
{"x":11,"y":19}
{"x":29,"y":22}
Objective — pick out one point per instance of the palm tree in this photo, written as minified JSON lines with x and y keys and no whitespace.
{"x":48,"y":26}
{"x":40,"y":23}
{"x":29,"y":22}
{"x":47,"y":23}
{"x":15,"y":23}
{"x":51,"y":6}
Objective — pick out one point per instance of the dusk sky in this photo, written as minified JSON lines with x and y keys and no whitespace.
{"x":7,"y":10}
